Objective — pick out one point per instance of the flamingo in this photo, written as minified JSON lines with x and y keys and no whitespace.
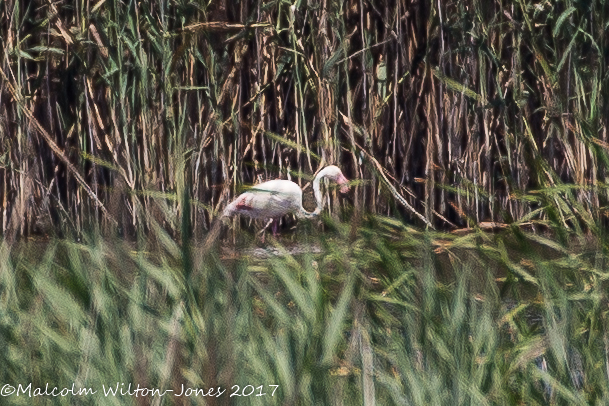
{"x":276,"y":198}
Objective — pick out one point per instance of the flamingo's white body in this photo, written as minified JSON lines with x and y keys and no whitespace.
{"x":276,"y":198}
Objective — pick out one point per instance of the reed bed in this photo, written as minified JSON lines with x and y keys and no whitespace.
{"x":393,"y":317}
{"x":118,"y":114}
{"x":127,"y":126}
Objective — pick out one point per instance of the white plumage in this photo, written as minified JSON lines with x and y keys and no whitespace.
{"x":276,"y":198}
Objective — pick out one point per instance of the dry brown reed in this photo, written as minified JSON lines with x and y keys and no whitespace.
{"x":471,"y":111}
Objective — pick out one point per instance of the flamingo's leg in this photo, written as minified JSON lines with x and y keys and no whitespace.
{"x":264,"y":229}
{"x":275,"y":224}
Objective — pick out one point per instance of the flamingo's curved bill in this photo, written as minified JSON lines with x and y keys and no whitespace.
{"x":343,"y":182}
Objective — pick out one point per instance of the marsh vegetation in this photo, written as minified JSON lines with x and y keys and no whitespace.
{"x":467,"y":266}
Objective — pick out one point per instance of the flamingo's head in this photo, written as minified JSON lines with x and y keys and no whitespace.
{"x":337,"y":176}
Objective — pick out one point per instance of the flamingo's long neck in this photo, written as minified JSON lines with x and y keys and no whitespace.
{"x":318,"y":199}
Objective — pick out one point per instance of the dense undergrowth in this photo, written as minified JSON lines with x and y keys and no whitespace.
{"x":387,"y":315}
{"x":126,"y":127}
{"x":452,"y":113}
